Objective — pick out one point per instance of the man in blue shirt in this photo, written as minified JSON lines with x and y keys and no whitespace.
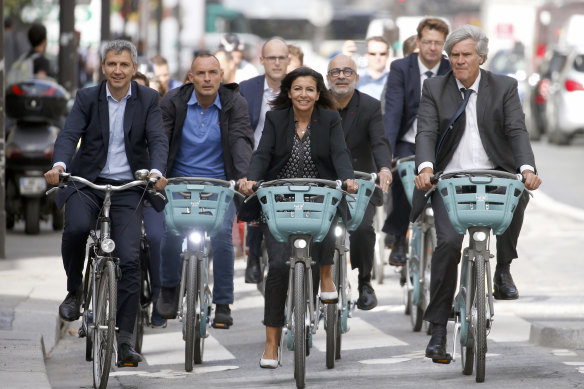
{"x":208,"y":128}
{"x":373,"y":79}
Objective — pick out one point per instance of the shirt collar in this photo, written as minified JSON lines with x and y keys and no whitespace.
{"x":474,"y":86}
{"x":194,"y":101}
{"x":424,"y":69}
{"x":109,"y":94}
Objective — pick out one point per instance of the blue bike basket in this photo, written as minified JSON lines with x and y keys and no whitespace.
{"x":480,"y":201}
{"x":407,"y":173}
{"x":358,"y":203}
{"x":299,"y":209}
{"x":196,"y":206}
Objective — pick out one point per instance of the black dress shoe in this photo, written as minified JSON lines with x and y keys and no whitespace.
{"x":127,"y":356}
{"x":367,"y":298}
{"x":398,"y":252}
{"x":505,"y":288}
{"x":222,"y":317}
{"x":167,"y":304}
{"x":70,"y":308}
{"x":253,"y":274}
{"x":436,"y":348}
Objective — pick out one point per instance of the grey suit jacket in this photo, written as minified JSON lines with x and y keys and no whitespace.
{"x":500,"y":120}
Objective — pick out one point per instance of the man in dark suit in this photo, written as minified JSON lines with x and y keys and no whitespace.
{"x":207,"y":125}
{"x":370,"y":152}
{"x":402,"y":97}
{"x":259,"y":91}
{"x":119,"y":124}
{"x":489,"y":134}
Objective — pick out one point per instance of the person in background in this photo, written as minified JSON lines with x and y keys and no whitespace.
{"x":489,"y":134}
{"x":296,"y":58}
{"x":259,"y":92}
{"x":302,"y":137}
{"x":227,"y":66}
{"x":373,"y":79}
{"x":207,"y":125}
{"x":349,"y":48}
{"x":15,"y":43}
{"x":410,"y":45}
{"x":162,"y":73}
{"x":404,"y":87}
{"x":370,"y":152}
{"x":244,"y":70}
{"x":41,"y":67}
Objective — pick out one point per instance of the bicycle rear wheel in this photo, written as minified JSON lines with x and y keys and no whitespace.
{"x":299,"y":325}
{"x":105,"y":324}
{"x":189,"y":318}
{"x":480,"y":330}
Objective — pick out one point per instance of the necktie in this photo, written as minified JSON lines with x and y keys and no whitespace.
{"x":467,"y":93}
{"x":429,"y":73}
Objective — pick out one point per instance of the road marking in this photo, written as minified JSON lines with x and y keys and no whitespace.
{"x":509,"y":328}
{"x":384,"y":361}
{"x":173,"y":374}
{"x":168,"y":349}
{"x":574,"y":363}
{"x":361,"y":336}
{"x":564,"y":353}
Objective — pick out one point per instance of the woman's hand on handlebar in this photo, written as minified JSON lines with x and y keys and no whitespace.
{"x":423,"y":180}
{"x":352,"y":186}
{"x":385,"y":178}
{"x":160,"y":182}
{"x":245,"y":186}
{"x":531,"y":180}
{"x":53,"y":176}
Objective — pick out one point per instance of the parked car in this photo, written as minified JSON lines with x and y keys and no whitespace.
{"x":566,"y":98}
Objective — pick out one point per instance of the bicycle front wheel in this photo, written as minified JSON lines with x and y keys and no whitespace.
{"x":480,"y":330}
{"x":299,"y":325}
{"x":105,"y":324}
{"x":200,"y":323}
{"x":189,"y":318}
{"x":331,"y":334}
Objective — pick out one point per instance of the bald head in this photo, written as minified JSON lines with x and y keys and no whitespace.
{"x":275,"y":58}
{"x":342,"y":76}
{"x":341,"y":61}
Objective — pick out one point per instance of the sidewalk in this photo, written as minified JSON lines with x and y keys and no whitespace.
{"x":548,"y":274}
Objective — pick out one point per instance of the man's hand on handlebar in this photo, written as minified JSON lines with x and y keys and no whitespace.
{"x":532,"y":181}
{"x":245,"y":186}
{"x":422,"y":180}
{"x":52,"y":176}
{"x":352,"y":186}
{"x":161,"y":182}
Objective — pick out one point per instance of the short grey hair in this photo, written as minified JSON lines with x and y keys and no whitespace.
{"x":465,"y":32}
{"x":117,"y":46}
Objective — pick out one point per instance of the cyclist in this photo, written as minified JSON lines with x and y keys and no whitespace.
{"x":487,"y":131}
{"x":207,"y":125}
{"x":301,"y":138}
{"x":118,"y":122}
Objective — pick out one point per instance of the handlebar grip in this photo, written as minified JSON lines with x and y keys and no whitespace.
{"x":433,"y":180}
{"x":257,"y":185}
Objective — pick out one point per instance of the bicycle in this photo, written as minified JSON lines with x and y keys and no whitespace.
{"x":300,"y":212}
{"x":421,"y":243}
{"x":196,"y":210}
{"x":479,"y":201}
{"x":337,"y":315}
{"x":100,"y":284}
{"x":144,"y":304}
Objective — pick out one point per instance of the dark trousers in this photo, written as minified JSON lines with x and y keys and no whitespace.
{"x":277,"y":280}
{"x":81,"y":212}
{"x":398,"y":219}
{"x":446,"y":257}
{"x":362,"y":242}
{"x":254,"y":239}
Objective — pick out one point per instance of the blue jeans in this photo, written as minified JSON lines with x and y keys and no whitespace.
{"x":223,"y":258}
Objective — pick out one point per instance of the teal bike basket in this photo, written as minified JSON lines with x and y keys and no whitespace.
{"x":358,"y":203}
{"x":299,"y":209}
{"x":480,"y":201}
{"x":407,"y":173}
{"x":196,"y":206}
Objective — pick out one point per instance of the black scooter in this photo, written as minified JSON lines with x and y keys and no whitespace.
{"x":36,"y":110}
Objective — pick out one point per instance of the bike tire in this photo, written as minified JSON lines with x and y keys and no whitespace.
{"x":331,"y":334}
{"x":413,"y":281}
{"x":299,"y":325}
{"x":87,"y":307}
{"x":105,"y":324}
{"x":138,"y":334}
{"x":429,"y":246}
{"x":189,"y":318}
{"x":481,"y":327}
{"x":199,"y":339}
{"x":467,"y":352}
{"x":341,"y":289}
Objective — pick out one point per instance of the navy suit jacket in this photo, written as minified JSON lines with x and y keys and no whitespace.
{"x":253,"y":91}
{"x":402,"y":96}
{"x":145,"y":142}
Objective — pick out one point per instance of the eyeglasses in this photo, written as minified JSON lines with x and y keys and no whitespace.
{"x":273,"y":59}
{"x":347,"y":72}
{"x":377,"y":54}
{"x":432,"y":43}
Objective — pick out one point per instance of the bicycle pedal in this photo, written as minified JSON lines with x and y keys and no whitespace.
{"x":222,"y":326}
{"x":444,"y":361}
{"x":127,"y":364}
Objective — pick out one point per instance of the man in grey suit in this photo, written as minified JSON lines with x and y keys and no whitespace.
{"x":489,"y":134}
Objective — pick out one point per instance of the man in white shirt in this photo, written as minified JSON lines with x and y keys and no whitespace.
{"x":490,"y":133}
{"x":372,"y":80}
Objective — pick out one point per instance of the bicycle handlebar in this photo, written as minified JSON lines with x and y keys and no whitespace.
{"x":473,"y":173}
{"x":66,"y":177}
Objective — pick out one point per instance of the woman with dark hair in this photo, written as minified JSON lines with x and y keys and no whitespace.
{"x":302,"y":138}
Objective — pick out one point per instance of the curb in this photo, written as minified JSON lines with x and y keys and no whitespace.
{"x":558,"y":334}
{"x":22,"y":360}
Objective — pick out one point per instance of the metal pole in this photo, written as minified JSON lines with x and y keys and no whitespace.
{"x":2,"y":147}
{"x":105,"y":20}
{"x":68,"y":59}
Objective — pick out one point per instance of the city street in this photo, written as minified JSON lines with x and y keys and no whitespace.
{"x":380,"y":350}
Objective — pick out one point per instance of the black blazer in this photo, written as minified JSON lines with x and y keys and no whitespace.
{"x":253,"y":91}
{"x":328,"y":149}
{"x":146,"y":144}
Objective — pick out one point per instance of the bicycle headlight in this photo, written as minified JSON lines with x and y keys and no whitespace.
{"x":300,"y":243}
{"x":195,"y":237}
{"x":108,"y":245}
{"x":479,"y":236}
{"x":429,"y":212}
{"x":338,"y":231}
